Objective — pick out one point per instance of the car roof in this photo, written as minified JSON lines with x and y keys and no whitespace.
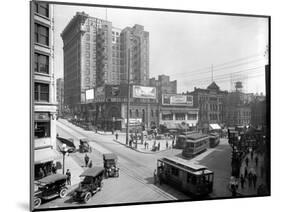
{"x":109,"y":156}
{"x":92,"y":172}
{"x":84,"y":139}
{"x":53,"y":178}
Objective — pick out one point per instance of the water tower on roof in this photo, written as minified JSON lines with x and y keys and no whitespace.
{"x":238,"y":86}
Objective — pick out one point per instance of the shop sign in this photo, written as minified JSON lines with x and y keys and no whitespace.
{"x":42,"y":117}
{"x":133,"y":121}
{"x":89,"y":94}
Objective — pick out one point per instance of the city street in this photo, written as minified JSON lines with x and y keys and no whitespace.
{"x":135,"y":183}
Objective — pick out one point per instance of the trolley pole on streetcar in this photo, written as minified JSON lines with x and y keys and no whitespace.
{"x":128,"y":100}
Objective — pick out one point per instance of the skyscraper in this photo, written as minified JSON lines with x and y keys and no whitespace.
{"x":86,"y":59}
{"x":136,"y":41}
{"x":96,"y":54}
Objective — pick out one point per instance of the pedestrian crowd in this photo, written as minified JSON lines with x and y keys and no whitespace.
{"x":249,"y":173}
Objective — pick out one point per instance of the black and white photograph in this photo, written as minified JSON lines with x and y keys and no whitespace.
{"x":136,"y":105}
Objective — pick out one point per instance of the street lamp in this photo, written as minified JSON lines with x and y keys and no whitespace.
{"x":64,"y":150}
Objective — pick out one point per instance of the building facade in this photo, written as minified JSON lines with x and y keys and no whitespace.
{"x":135,"y":55}
{"x":211,"y":104}
{"x":111,"y":109}
{"x":177,"y":111}
{"x":86,"y":57}
{"x":96,"y":54}
{"x":60,"y":96}
{"x":44,"y":96}
{"x":237,"y":107}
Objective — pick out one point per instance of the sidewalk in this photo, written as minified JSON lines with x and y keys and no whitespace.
{"x":140,"y":147}
{"x":258,"y":169}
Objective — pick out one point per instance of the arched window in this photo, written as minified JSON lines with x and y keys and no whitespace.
{"x":137,"y":113}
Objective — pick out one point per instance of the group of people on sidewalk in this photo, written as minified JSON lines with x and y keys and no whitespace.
{"x":251,"y":170}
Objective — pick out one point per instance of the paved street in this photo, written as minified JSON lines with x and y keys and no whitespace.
{"x":135,"y":183}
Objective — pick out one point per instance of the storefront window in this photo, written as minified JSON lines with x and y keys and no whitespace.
{"x":42,"y":125}
{"x":42,"y":129}
{"x":192,"y":116}
{"x":180,"y":116}
{"x":167,"y":116}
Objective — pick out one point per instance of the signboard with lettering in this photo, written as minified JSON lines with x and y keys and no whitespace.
{"x":144,"y":92}
{"x":89,"y":94}
{"x":177,"y":99}
{"x":134,"y":121}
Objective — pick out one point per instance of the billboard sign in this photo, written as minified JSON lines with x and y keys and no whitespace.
{"x":177,"y":99}
{"x":100,"y":93}
{"x":144,"y":92}
{"x":89,"y":95}
{"x":134,"y":121}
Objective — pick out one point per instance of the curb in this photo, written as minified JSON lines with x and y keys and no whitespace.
{"x":140,"y":151}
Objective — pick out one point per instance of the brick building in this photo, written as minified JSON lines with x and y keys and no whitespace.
{"x":211,"y":104}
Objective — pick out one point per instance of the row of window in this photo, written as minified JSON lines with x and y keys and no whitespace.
{"x":143,"y":112}
{"x":179,"y":116}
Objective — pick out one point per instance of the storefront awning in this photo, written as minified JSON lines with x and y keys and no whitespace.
{"x":45,"y":155}
{"x":193,"y":112}
{"x":171,"y":125}
{"x":215,"y":127}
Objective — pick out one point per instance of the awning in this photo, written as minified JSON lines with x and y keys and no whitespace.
{"x":45,"y":155}
{"x":215,"y":127}
{"x":183,"y":127}
{"x":170,"y":125}
{"x":166,"y":112}
{"x":193,"y":112}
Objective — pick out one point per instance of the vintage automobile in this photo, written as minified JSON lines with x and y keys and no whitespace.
{"x":91,"y":184}
{"x":84,"y":146}
{"x":68,"y":142}
{"x":50,"y":187}
{"x":109,"y":163}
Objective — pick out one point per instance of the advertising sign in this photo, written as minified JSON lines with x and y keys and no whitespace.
{"x":100,"y":92}
{"x":89,"y":94}
{"x":177,"y":99}
{"x":133,"y":121}
{"x":144,"y":92}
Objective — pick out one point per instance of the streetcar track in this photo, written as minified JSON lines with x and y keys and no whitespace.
{"x":123,"y":167}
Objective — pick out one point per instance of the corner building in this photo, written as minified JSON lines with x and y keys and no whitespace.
{"x":44,"y":93}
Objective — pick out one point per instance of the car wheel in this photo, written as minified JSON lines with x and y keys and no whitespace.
{"x":87,"y":197}
{"x":63,"y":193}
{"x":37,"y":202}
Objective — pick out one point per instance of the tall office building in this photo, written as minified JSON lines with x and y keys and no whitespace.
{"x":85,"y":48}
{"x":136,"y":41}
{"x":44,"y":96}
{"x":96,"y":54}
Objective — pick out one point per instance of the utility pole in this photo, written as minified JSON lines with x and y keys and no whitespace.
{"x":128,"y":99}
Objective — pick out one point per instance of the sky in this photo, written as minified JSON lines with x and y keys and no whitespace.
{"x":194,"y":49}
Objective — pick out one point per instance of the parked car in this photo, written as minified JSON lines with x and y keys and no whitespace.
{"x":91,"y":184}
{"x":84,"y":146}
{"x":50,"y":187}
{"x":109,"y":163}
{"x":68,"y":142}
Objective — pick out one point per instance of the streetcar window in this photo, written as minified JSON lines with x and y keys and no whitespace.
{"x":175,"y":171}
{"x":193,"y":180}
{"x":188,"y":178}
